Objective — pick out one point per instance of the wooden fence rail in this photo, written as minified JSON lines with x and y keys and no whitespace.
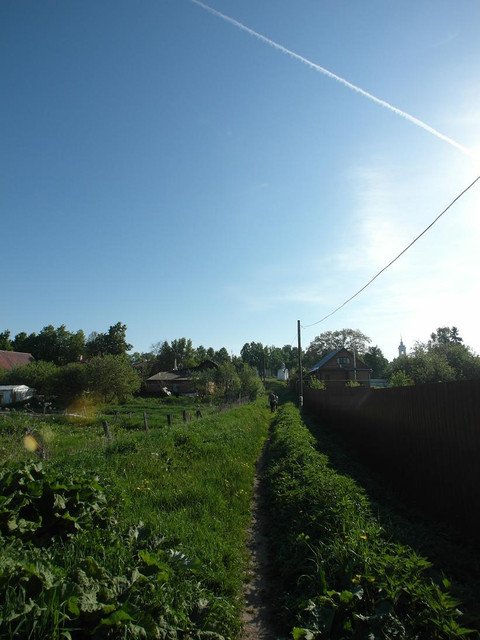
{"x":425,"y":440}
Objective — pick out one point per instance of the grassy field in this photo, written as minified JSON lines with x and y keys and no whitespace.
{"x":140,"y":535}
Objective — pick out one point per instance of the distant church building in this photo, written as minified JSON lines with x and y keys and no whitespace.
{"x":402,"y":349}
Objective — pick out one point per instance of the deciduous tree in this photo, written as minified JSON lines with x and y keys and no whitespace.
{"x":329,"y":341}
{"x":5,"y":342}
{"x":113,"y":342}
{"x":376,"y":361}
{"x":112,"y":377}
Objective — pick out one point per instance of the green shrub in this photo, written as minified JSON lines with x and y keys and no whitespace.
{"x":339,"y":576}
{"x":312,"y":382}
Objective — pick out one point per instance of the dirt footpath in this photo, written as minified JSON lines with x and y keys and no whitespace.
{"x":257,"y":616}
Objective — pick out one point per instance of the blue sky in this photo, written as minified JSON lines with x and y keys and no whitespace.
{"x":163,"y":168}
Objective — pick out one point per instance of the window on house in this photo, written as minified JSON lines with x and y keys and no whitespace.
{"x":343,"y":360}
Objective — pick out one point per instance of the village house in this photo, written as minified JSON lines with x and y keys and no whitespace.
{"x":10,"y":359}
{"x":341,"y":366}
{"x":177,"y":381}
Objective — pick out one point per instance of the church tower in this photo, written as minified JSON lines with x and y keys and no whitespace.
{"x":402,"y":349}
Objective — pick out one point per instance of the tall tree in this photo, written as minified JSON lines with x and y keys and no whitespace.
{"x":52,"y":344}
{"x":445,"y":335}
{"x":423,"y":365}
{"x":24,"y":343}
{"x":442,"y":359}
{"x":5,"y":342}
{"x":254,"y":354}
{"x":113,"y":342}
{"x":377,"y":362}
{"x":183,"y":352}
{"x":222,"y":356}
{"x":200,"y":354}
{"x":329,"y":341}
{"x":290,"y":356}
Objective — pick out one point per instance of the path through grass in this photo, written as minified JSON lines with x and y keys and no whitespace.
{"x":167,"y":558}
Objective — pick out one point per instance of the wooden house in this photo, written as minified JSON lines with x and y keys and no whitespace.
{"x":177,"y":381}
{"x":341,"y":366}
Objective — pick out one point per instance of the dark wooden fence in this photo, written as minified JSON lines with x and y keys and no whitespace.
{"x":425,"y":440}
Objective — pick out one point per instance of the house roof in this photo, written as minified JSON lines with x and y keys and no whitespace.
{"x":10,"y":359}
{"x":330,"y":356}
{"x":169,"y":376}
{"x":324,"y":360}
{"x":177,"y":375}
{"x":14,"y":387}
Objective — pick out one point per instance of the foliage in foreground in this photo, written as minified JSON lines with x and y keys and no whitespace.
{"x":338,"y":576}
{"x":96,"y":570}
{"x":52,"y":587}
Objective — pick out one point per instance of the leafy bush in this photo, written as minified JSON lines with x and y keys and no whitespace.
{"x":340,"y":578}
{"x":112,"y":377}
{"x":312,"y":382}
{"x":151,"y":591}
{"x":400,"y":379}
{"x":39,"y":375}
{"x":178,"y":576}
{"x":38,"y":502}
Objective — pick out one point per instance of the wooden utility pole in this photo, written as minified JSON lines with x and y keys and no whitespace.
{"x":300,"y":372}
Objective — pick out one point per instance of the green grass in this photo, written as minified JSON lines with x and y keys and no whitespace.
{"x":450,"y":554}
{"x":338,"y":575}
{"x":168,"y":559}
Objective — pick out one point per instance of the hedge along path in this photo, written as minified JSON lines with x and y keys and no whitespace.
{"x":338,"y":575}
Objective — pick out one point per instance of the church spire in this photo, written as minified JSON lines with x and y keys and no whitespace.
{"x":402,"y":349}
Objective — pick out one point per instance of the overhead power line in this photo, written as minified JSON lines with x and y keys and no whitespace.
{"x":397,"y":257}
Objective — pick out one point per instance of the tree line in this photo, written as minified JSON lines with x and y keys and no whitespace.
{"x":68,"y":364}
{"x":60,"y":346}
{"x":442,"y":358}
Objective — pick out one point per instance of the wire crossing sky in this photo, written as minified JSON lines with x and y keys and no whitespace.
{"x":192,"y":182}
{"x":333,"y":76}
{"x":396,"y":257}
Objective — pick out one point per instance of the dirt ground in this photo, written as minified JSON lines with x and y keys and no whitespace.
{"x":258,"y":616}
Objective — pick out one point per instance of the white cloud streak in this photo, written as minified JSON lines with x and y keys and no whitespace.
{"x":339,"y":79}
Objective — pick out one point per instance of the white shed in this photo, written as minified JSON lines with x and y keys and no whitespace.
{"x":12,"y":393}
{"x":282,"y":373}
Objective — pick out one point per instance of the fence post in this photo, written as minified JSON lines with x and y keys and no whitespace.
{"x":169,"y":419}
{"x":186,"y":417}
{"x":106,"y":430}
{"x":145,"y":420}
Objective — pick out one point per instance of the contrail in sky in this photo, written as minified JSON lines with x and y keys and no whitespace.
{"x":346,"y":83}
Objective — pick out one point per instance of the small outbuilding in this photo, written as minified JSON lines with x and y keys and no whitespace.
{"x":15,"y":393}
{"x":282,"y":373}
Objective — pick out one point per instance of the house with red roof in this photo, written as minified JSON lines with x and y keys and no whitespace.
{"x":10,"y":359}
